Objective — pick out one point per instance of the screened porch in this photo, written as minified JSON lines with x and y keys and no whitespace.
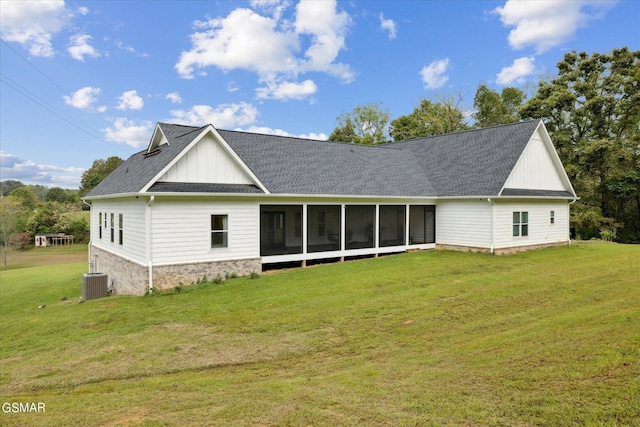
{"x":315,"y":231}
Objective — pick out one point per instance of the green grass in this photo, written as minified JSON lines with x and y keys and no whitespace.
{"x":548,"y":337}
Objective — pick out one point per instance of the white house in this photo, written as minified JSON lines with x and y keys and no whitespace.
{"x":203,"y":201}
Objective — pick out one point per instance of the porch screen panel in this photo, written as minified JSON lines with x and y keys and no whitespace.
{"x":323,"y":228}
{"x":422,"y":224}
{"x":392,"y":230}
{"x":280,"y":229}
{"x":359,"y":226}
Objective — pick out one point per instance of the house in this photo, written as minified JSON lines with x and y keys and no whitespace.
{"x":44,"y":240}
{"x":203,"y":201}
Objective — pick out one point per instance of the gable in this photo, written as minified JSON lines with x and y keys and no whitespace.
{"x":538,"y":167}
{"x":206,"y":162}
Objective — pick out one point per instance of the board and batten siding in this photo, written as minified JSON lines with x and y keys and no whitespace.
{"x":541,"y":231}
{"x":464,"y":223}
{"x":182,"y":231}
{"x":206,"y":161}
{"x":134,"y":227}
{"x":536,"y":170}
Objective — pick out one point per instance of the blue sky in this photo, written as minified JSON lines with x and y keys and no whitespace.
{"x":86,"y":80}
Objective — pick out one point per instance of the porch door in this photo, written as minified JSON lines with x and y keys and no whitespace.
{"x":272,"y":230}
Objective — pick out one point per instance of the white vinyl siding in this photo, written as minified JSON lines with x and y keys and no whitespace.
{"x":540,"y":229}
{"x":182,"y":231}
{"x":464,"y":223}
{"x":207,"y":161}
{"x":134,"y":227}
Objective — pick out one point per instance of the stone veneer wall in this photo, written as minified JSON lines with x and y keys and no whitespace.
{"x":129,"y":278}
{"x":168,"y":276}
{"x":499,"y":251}
{"x":125,"y":277}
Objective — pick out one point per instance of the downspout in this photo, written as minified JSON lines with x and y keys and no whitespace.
{"x":90,"y":236}
{"x":149,"y":245}
{"x":569,"y":220}
{"x":493,"y":232}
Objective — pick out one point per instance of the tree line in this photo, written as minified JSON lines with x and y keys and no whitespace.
{"x":591,"y":109}
{"x":27,"y":210}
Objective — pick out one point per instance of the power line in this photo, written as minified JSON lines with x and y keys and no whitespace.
{"x":13,"y":85}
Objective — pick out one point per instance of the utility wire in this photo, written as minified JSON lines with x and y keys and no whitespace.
{"x":65,"y":91}
{"x":51,"y":109}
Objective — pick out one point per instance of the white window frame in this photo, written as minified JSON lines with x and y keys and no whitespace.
{"x":120,"y":228}
{"x":520,"y":226}
{"x":223,"y":231}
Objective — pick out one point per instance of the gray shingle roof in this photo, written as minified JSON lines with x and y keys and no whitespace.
{"x":472,"y":163}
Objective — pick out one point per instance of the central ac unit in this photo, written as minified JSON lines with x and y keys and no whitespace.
{"x":94,"y":286}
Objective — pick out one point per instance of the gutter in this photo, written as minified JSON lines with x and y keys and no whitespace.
{"x":149,"y":245}
{"x":90,"y":235}
{"x":493,"y":232}
{"x":575,"y":199}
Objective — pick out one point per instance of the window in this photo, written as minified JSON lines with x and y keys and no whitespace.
{"x":120,"y":228}
{"x":219,"y":231}
{"x":112,"y":229}
{"x":100,"y":225}
{"x":105,"y":221}
{"x":552,"y":217}
{"x":520,"y":224}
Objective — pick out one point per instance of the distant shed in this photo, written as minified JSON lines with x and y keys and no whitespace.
{"x":53,"y":239}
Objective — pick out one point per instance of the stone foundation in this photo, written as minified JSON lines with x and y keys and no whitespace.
{"x":499,"y":251}
{"x":506,"y":251}
{"x":441,"y":247}
{"x":168,"y":276}
{"x":125,"y":277}
{"x":129,"y":278}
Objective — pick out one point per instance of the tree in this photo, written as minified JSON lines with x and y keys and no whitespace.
{"x":8,"y":186}
{"x":9,"y":211}
{"x":98,"y":171}
{"x":56,"y":194}
{"x":366,"y":124}
{"x":592,"y":110}
{"x":26,"y":196}
{"x":497,"y":109}
{"x":429,"y":119}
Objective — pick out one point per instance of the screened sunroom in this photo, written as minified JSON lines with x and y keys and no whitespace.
{"x":293,"y":232}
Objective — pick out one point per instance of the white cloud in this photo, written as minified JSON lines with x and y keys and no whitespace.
{"x":388,"y":25}
{"x":33,"y":24}
{"x":130,"y":132}
{"x":274,"y":7}
{"x":79,"y":47}
{"x":280,"y":132}
{"x":287,"y":90}
{"x":27,"y":171}
{"x":83,"y":98}
{"x":328,"y":29}
{"x":521,"y":68}
{"x":434,"y":75}
{"x":243,"y":40}
{"x":130,"y":101}
{"x":223,"y":116}
{"x":174,"y":97}
{"x":271,"y":47}
{"x":545,"y":24}
{"x":82,"y":10}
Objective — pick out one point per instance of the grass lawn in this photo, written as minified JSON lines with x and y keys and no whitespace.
{"x":36,"y":257}
{"x":548,"y":337}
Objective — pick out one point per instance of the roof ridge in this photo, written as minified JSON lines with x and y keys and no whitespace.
{"x":467,"y":131}
{"x":327,"y":141}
